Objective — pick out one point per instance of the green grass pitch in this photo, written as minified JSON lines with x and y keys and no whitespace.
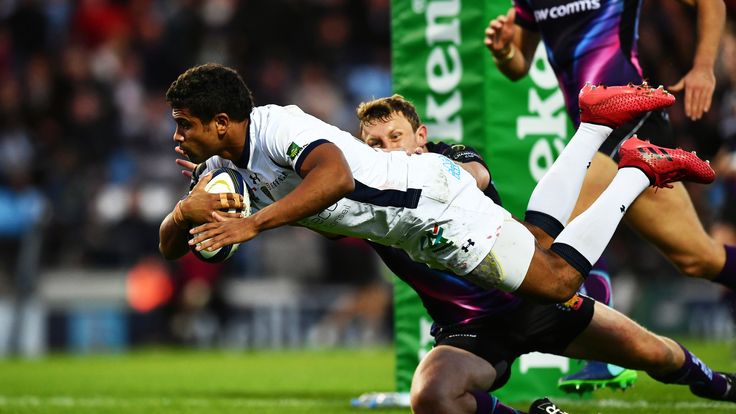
{"x":166,"y":381}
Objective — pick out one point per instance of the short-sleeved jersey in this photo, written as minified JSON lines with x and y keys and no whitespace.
{"x":425,"y":205}
{"x":449,"y":299}
{"x":586,"y":40}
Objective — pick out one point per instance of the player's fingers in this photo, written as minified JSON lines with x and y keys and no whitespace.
{"x":698,"y":104}
{"x":511,"y":15}
{"x":223,"y":215}
{"x":677,"y":87}
{"x":208,"y":244}
{"x":689,"y":103}
{"x":202,"y":228}
{"x":204,"y":180}
{"x":186,"y":164}
{"x":237,"y":200}
{"x":224,"y":201}
{"x":186,"y":173}
{"x":214,"y":243}
{"x":707,"y":101}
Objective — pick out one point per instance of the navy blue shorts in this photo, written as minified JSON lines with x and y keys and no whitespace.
{"x":531,"y":327}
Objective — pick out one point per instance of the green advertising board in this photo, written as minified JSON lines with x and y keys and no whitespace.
{"x":439,"y":62}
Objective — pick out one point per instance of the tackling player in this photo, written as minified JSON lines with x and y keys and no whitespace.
{"x":393,"y":124}
{"x":478,"y":333}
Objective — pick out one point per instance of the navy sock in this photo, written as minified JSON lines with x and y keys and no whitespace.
{"x":727,"y":277}
{"x":488,"y":404}
{"x":694,"y":372}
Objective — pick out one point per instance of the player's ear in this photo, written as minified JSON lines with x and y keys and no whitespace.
{"x":222,"y":123}
{"x":421,"y":135}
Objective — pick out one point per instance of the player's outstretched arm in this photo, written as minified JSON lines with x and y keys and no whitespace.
{"x":326,"y":179}
{"x":511,"y":46}
{"x":700,"y":82}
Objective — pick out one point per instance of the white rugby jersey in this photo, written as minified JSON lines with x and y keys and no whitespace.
{"x":424,"y":204}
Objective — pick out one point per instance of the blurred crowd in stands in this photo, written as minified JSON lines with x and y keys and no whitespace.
{"x":85,"y":134}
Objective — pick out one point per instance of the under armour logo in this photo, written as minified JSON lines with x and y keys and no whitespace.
{"x":587,"y":166}
{"x":622,"y":208}
{"x":465,"y":247}
{"x":255,"y":178}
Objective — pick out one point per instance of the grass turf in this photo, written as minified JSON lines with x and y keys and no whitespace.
{"x":166,"y":381}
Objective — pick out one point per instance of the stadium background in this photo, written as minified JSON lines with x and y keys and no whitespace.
{"x":88,"y":172}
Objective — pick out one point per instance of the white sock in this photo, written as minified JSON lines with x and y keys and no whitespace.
{"x":558,"y":191}
{"x":590,"y":232}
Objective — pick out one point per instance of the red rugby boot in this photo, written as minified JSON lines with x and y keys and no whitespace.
{"x":614,"y":106}
{"x":664,"y":165}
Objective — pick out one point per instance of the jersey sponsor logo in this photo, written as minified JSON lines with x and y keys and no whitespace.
{"x":567,"y":9}
{"x":434,"y":241}
{"x":452,"y":168}
{"x":293,"y":150}
{"x":267,"y":187}
{"x":330,"y":216}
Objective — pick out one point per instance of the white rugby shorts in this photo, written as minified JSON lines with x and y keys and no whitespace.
{"x":508,"y":261}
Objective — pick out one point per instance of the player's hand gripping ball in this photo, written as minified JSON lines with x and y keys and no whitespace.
{"x":225,"y":180}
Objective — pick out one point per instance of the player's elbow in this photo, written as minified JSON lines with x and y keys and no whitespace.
{"x":169,"y":253}
{"x":345,"y":184}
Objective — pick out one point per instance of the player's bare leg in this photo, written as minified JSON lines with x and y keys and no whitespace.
{"x":450,"y":380}
{"x":615,"y":338}
{"x":447,"y":379}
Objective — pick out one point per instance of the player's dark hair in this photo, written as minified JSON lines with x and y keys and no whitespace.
{"x":380,"y":110}
{"x":210,"y":89}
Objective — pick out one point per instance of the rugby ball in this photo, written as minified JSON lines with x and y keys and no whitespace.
{"x":225,"y":180}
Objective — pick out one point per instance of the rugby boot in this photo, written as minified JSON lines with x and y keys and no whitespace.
{"x":614,"y":106}
{"x":664,"y":165}
{"x":595,"y":375}
{"x":545,"y":406}
{"x":705,"y":392}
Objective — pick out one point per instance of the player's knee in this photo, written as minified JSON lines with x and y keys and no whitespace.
{"x":569,"y":287}
{"x":429,"y":397}
{"x":564,"y":287}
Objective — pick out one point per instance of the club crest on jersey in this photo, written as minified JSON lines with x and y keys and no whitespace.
{"x":573,"y":304}
{"x":434,"y":241}
{"x":293,"y":150}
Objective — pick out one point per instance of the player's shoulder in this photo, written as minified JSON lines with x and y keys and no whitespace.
{"x":452,"y":150}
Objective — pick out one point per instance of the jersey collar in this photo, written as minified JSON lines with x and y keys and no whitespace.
{"x":242,"y":162}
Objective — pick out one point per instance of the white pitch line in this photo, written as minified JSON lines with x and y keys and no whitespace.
{"x":66,"y":401}
{"x":680,"y":405}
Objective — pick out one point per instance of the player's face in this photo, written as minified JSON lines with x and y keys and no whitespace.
{"x":196,"y":140}
{"x":394,"y":134}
